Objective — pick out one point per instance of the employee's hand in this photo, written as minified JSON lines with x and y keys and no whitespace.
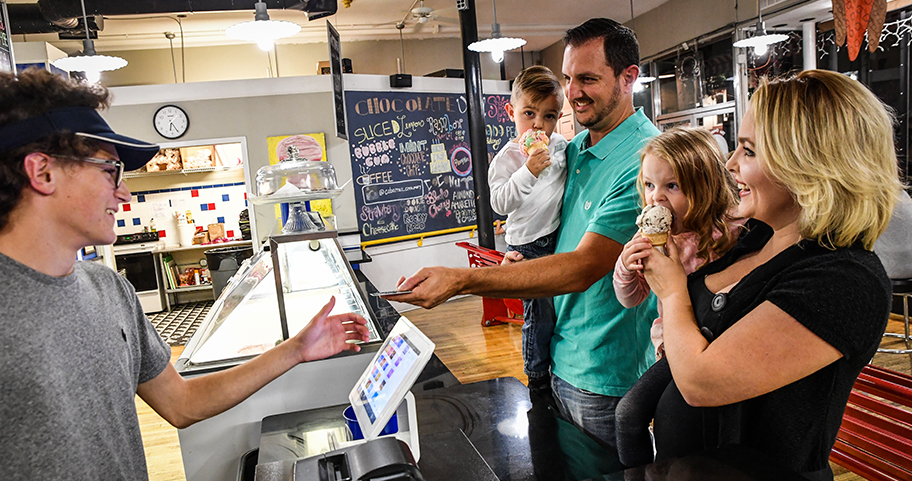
{"x":664,"y":273}
{"x":430,"y":286}
{"x":326,"y":335}
{"x":511,"y":257}
{"x":538,"y":161}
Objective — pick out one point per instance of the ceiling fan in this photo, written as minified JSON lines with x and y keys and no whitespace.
{"x":422,"y":14}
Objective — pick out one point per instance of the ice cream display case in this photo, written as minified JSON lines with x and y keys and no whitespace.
{"x":274,"y":295}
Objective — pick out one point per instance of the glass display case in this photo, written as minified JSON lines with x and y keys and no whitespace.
{"x":274,"y":295}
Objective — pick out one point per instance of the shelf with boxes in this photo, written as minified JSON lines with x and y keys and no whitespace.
{"x":195,"y":156}
{"x":216,"y":194}
{"x":186,"y":270}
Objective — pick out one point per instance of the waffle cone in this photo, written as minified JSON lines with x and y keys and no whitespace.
{"x":659,"y":239}
{"x":535,"y":146}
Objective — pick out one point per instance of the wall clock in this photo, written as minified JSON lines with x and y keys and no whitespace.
{"x":170,"y":121}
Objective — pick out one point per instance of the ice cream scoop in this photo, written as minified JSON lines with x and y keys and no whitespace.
{"x":654,"y":223}
{"x":533,"y":139}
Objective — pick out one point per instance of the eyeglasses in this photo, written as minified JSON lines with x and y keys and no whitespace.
{"x":116,"y":175}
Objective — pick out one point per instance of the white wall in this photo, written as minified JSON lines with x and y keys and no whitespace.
{"x":260,"y":108}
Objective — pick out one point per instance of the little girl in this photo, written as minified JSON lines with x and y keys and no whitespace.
{"x":682,"y":169}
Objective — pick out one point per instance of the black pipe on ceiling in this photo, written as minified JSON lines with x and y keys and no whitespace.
{"x":49,"y":16}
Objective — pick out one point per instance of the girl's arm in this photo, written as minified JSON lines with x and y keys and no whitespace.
{"x":510,"y":181}
{"x":630,"y":287}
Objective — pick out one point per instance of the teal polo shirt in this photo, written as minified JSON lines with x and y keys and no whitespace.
{"x":598,"y":345}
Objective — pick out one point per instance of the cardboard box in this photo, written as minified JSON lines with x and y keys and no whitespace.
{"x":216,"y":231}
{"x":201,"y":238}
{"x":165,"y":159}
{"x":198,"y":157}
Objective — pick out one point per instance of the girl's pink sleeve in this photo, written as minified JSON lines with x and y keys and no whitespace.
{"x":630,"y":287}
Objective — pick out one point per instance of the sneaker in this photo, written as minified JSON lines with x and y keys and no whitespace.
{"x":540,"y":383}
{"x":540,"y":390}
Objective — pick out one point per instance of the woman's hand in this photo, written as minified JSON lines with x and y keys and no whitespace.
{"x":664,"y":273}
{"x":326,"y":335}
{"x":634,"y":252}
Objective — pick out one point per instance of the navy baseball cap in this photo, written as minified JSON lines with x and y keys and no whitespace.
{"x":82,"y":121}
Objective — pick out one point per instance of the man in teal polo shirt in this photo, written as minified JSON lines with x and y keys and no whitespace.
{"x":599,"y":349}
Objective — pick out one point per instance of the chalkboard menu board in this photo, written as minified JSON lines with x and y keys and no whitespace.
{"x":412,"y":162}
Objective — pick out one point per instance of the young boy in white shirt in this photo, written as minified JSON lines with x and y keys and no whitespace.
{"x":527,"y":185}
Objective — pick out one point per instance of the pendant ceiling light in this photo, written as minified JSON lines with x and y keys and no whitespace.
{"x":89,"y":62}
{"x":497,"y":44}
{"x":760,"y":40}
{"x":262,"y":30}
{"x":642,"y":79}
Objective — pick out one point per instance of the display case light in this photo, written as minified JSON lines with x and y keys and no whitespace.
{"x":261,"y":29}
{"x":497,"y":44}
{"x":89,"y":61}
{"x":760,"y":39}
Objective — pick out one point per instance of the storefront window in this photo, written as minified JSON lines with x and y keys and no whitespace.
{"x":780,"y":59}
{"x":642,"y":92}
{"x":885,"y":71}
{"x":701,"y":76}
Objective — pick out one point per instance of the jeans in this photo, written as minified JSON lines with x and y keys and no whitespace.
{"x":635,"y":412}
{"x":538,"y":315}
{"x":593,"y":413}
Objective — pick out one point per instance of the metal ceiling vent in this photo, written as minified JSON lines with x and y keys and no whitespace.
{"x":48,"y":16}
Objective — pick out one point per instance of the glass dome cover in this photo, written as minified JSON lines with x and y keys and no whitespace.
{"x":295,"y":179}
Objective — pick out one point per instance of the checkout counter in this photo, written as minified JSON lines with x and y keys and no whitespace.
{"x":481,"y":431}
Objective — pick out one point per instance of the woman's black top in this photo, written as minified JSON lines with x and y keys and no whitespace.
{"x":843,"y":296}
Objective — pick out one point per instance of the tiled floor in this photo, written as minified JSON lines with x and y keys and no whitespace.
{"x":177,"y":325}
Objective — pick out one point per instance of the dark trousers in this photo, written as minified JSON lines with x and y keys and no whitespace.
{"x":634,"y":413}
{"x":538,"y":315}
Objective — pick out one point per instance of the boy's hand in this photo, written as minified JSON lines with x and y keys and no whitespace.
{"x":538,"y":161}
{"x":511,"y":257}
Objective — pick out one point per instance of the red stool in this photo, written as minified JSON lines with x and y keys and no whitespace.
{"x":495,"y":311}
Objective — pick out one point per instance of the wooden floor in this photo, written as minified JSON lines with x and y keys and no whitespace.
{"x":470,"y":351}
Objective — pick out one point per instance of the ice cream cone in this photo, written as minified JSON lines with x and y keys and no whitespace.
{"x":535,"y":146}
{"x":658,"y":239}
{"x":533,"y":139}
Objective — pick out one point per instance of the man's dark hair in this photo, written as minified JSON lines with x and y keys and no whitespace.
{"x":621,"y":47}
{"x":31,"y":94}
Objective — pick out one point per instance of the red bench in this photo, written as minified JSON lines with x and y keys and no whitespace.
{"x":875,"y":439}
{"x":495,"y":311}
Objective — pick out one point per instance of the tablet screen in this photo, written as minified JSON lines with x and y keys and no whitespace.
{"x":388,"y":372}
{"x":389,"y":376}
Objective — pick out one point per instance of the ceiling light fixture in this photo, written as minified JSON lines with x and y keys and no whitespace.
{"x":89,"y":62}
{"x":261,"y":29}
{"x":760,"y":40}
{"x":497,"y":44}
{"x":642,"y":79}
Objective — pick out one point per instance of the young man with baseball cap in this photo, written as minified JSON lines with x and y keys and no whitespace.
{"x":76,"y":347}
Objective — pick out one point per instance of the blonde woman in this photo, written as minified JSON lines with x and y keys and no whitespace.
{"x":765,"y":343}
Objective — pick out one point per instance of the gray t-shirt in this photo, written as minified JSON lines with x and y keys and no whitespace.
{"x":894,"y":247}
{"x":73,"y":351}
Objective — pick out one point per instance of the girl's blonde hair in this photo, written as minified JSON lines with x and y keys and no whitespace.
{"x":699,"y":167}
{"x":829,"y":141}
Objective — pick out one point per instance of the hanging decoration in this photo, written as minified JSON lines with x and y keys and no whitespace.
{"x":891,"y":35}
{"x":853,"y":18}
